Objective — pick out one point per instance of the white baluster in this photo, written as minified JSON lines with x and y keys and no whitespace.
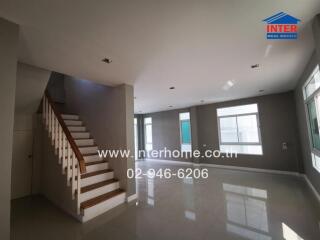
{"x":68,"y":163}
{"x":63,"y":153}
{"x":49,"y":119}
{"x":47,"y":111}
{"x":59,"y":143}
{"x":78,"y":190}
{"x":74,"y":186}
{"x":52,"y":126}
{"x":56,"y":142}
{"x":43,"y":108}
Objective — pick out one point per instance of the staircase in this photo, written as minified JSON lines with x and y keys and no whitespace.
{"x":76,"y":152}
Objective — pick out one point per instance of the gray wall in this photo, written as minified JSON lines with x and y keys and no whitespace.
{"x":108,"y":114}
{"x":166,"y":132}
{"x":30,"y":86}
{"x":9,"y":33}
{"x":278,"y":124}
{"x":312,"y":174}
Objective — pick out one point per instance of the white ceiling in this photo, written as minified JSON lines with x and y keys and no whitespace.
{"x":195,"y":45}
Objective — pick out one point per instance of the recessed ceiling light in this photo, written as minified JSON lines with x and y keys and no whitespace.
{"x":107,"y":60}
{"x":230,"y":83}
{"x":255,"y":66}
{"x":171,"y":88}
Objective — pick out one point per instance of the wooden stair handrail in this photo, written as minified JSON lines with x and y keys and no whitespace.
{"x":66,"y":131}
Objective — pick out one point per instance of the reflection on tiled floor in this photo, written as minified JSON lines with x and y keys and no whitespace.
{"x":227,"y":205}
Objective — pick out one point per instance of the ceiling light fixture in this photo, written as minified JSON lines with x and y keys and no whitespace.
{"x":229,"y":84}
{"x":107,"y":60}
{"x":255,"y":66}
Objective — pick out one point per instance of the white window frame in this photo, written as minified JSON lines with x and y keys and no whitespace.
{"x":182,"y":144}
{"x":259,"y":143}
{"x":145,"y":133}
{"x":315,"y":153}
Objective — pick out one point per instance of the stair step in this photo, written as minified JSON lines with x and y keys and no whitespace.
{"x":86,"y":175}
{"x":73,"y":122}
{"x":80,"y":135}
{"x":101,"y":204}
{"x":97,"y":185}
{"x":97,"y":166}
{"x":94,"y":201}
{"x":97,"y":189}
{"x":97,"y":176}
{"x":96,"y":162}
{"x":91,"y":157}
{"x":94,"y":166}
{"x":88,"y":149}
{"x":77,"y":128}
{"x":70,"y":117}
{"x":84,"y":142}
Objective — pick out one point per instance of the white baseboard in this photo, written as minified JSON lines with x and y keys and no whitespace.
{"x":315,"y":192}
{"x":169,"y":161}
{"x":317,"y":195}
{"x":260,"y":170}
{"x":132,"y":197}
{"x":224,"y":167}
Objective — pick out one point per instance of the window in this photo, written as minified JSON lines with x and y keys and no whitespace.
{"x":148,"y":133}
{"x":185,"y":132}
{"x":136,"y":138}
{"x":311,"y":92}
{"x":239,"y":130}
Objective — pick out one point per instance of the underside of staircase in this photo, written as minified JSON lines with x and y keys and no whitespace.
{"x":99,"y":190}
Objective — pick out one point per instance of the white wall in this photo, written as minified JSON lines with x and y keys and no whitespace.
{"x":9,"y":33}
{"x":30,"y":86}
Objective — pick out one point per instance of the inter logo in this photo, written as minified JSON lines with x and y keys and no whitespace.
{"x":282,"y":26}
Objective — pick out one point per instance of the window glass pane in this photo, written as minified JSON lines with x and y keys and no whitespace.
{"x":148,"y":133}
{"x":248,"y":128}
{"x":243,"y":109}
{"x":314,"y":129}
{"x":148,"y":120}
{"x":228,"y":129}
{"x":184,"y":116}
{"x":313,"y":84}
{"x":185,"y":132}
{"x":185,"y":147}
{"x":148,"y":146}
{"x":244,"y":149}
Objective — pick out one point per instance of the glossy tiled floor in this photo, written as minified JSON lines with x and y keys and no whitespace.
{"x":227,"y":205}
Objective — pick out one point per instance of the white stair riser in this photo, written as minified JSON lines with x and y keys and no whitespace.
{"x":77,"y":129}
{"x":84,"y":142}
{"x":101,"y":208}
{"x":92,"y":158}
{"x":97,"y":178}
{"x":80,"y":135}
{"x":99,"y":191}
{"x":88,"y":150}
{"x":70,"y":117}
{"x":73,"y":122}
{"x":97,"y":167}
